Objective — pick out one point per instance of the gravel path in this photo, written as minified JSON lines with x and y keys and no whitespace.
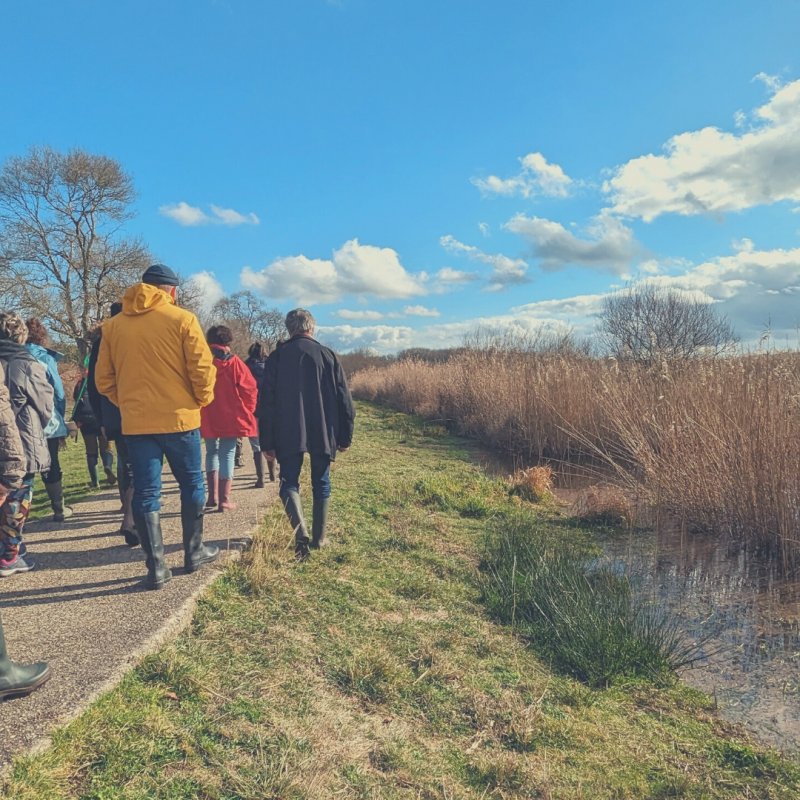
{"x":84,"y":608}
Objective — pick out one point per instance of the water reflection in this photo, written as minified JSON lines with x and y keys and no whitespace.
{"x":745,"y":614}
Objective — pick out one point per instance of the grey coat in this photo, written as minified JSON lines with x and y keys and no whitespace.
{"x":32,"y":401}
{"x":12,"y":456}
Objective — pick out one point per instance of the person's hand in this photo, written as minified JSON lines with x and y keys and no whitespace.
{"x":4,"y":492}
{"x":62,"y":443}
{"x":270,"y":454}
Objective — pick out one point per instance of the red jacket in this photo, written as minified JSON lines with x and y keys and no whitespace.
{"x":235,"y":393}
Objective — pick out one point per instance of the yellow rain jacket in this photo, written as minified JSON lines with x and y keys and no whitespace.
{"x":154,"y":363}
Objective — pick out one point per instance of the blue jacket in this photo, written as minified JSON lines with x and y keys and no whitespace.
{"x":50,"y":359}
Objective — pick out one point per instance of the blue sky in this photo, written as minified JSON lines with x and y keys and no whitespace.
{"x":411,"y":169}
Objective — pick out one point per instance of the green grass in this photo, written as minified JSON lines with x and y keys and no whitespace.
{"x":75,"y":480}
{"x":375,"y":670}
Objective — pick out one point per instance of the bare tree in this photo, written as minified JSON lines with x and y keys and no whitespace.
{"x":62,"y":257}
{"x":649,"y":324}
{"x":249,"y":319}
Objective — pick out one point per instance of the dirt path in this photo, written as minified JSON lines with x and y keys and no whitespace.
{"x":84,"y":609}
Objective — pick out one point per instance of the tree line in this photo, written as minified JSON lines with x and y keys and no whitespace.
{"x":65,"y":257}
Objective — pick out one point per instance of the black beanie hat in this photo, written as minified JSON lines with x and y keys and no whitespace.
{"x":160,"y":275}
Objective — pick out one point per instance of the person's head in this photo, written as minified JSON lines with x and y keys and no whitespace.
{"x":13,"y":327}
{"x":300,"y":321}
{"x":257,"y":351}
{"x":116,"y":308}
{"x":37,"y":333}
{"x":219,"y":335}
{"x":162,"y":277}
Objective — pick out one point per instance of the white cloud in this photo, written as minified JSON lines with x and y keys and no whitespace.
{"x":381,"y":338}
{"x":191,"y":216}
{"x":506,"y":271}
{"x":448,"y":276}
{"x":537,"y":177}
{"x":421,"y":311}
{"x":484,"y":228}
{"x":610,"y":244}
{"x":710,"y":171}
{"x":345,"y":313}
{"x":209,"y":290}
{"x":354,"y":269}
{"x":184,"y":214}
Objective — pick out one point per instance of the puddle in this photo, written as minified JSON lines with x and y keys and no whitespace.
{"x":746,"y":614}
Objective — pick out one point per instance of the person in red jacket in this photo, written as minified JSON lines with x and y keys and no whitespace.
{"x":230,"y":416}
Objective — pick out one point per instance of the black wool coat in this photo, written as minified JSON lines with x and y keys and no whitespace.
{"x":304,"y":403}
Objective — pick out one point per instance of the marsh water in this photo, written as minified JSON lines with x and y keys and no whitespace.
{"x":743,"y":613}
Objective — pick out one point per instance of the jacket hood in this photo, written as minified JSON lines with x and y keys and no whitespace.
{"x":9,"y":350}
{"x":39,"y":351}
{"x":142,"y":297}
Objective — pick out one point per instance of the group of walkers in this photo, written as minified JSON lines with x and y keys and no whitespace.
{"x":155,"y":385}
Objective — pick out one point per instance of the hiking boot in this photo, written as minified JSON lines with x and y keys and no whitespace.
{"x":17,"y":680}
{"x":319,"y":523}
{"x":211,"y":480}
{"x":225,"y":489}
{"x":148,"y":526}
{"x":195,"y":553}
{"x":55,"y":491}
{"x":11,"y":564}
{"x":294,"y":510}
{"x":258,"y":460}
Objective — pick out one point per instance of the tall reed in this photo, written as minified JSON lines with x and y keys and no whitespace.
{"x":715,"y":442}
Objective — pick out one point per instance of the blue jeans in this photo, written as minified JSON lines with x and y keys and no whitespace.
{"x":221,"y":456}
{"x":146,"y":453}
{"x":320,"y":474}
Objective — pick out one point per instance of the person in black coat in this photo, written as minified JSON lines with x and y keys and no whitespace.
{"x":257,"y":364}
{"x":305,"y":407}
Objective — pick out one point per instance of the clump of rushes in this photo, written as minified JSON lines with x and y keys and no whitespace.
{"x":605,"y":505}
{"x":534,"y":484}
{"x":581,"y":615}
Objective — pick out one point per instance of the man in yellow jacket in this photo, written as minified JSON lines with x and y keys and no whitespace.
{"x":155,"y":365}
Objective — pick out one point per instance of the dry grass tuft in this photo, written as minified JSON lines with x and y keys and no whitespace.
{"x":534,"y":484}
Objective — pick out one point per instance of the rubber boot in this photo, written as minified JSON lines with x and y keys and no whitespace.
{"x":319,"y":525}
{"x":108,"y":466}
{"x":271,"y":469}
{"x":91,"y":464}
{"x":225,"y":490}
{"x":55,"y":491}
{"x":148,"y":526}
{"x":258,"y":460}
{"x":128,"y":529}
{"x":17,"y":680}
{"x":211,"y":479}
{"x":195,"y":553}
{"x":294,"y":510}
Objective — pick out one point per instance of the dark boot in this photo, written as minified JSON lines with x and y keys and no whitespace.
{"x":271,"y":469}
{"x":55,"y":491}
{"x":17,"y":680}
{"x":294,"y":510}
{"x":319,"y":524}
{"x":108,"y":466}
{"x":258,"y":460}
{"x":195,"y":553}
{"x":148,"y":526}
{"x":91,"y":465}
{"x":211,"y":479}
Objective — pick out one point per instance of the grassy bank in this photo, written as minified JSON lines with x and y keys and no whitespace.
{"x":375,"y":670}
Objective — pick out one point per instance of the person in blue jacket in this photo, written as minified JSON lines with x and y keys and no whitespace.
{"x":56,"y":431}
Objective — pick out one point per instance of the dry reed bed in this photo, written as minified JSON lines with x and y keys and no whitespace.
{"x":715,"y":442}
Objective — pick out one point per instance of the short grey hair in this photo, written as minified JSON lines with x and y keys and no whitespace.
{"x":13,"y":327}
{"x":300,"y":321}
